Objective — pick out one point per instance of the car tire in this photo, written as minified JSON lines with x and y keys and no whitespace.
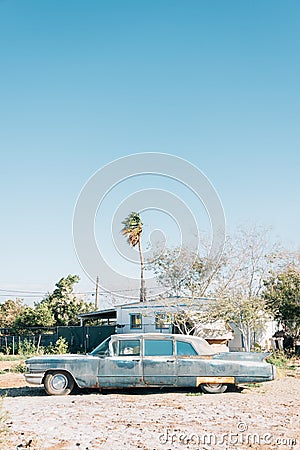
{"x":58,"y":383}
{"x":213,"y":388}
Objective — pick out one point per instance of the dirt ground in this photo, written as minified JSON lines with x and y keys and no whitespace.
{"x":261,"y":417}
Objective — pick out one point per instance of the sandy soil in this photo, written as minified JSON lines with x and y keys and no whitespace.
{"x":263,"y":417}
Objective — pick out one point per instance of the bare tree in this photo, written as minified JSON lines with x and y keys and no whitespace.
{"x":235,"y":280}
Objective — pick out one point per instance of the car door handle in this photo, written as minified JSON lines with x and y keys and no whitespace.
{"x":135,"y":360}
{"x":171,"y":360}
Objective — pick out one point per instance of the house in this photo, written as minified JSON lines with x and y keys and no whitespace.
{"x":158,"y":316}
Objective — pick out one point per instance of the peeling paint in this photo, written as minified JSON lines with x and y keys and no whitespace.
{"x":113,"y":370}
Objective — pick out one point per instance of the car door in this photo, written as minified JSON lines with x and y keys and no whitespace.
{"x":123,"y":367}
{"x":189,"y":364}
{"x":159,"y":362}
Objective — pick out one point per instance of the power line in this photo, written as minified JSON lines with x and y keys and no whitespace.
{"x":26,"y":293}
{"x":20,"y":292}
{"x":39,"y":292}
{"x":25,"y":296}
{"x":79,"y":293}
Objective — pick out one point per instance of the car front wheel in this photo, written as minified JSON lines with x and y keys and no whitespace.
{"x":58,"y":383}
{"x":213,"y":388}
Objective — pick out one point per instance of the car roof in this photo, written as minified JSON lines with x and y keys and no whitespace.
{"x":202,"y":346}
{"x":157,"y":336}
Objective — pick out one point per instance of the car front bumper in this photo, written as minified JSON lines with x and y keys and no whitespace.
{"x":34,"y":378}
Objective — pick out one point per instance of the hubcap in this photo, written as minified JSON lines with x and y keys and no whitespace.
{"x":59,"y":382}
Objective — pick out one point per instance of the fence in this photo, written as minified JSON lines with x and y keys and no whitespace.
{"x":80,"y":339}
{"x":85,"y":339}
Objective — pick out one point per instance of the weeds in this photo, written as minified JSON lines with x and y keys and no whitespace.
{"x":253,"y":385}
{"x":194,"y":394}
{"x":280,"y":360}
{"x":19,"y":368}
{"x":10,"y":357}
{"x":284,"y":364}
{"x":60,"y":347}
{"x":28,"y":348}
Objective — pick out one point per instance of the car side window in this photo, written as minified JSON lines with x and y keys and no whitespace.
{"x":102,"y":349}
{"x":129,"y":347}
{"x":158,"y":347}
{"x":185,"y":349}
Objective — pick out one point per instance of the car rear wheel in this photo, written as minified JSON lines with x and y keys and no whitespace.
{"x":213,"y":388}
{"x":58,"y":383}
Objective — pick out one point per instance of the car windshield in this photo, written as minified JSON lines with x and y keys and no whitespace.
{"x":102,"y":349}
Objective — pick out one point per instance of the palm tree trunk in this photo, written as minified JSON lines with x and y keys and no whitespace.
{"x":142,"y":290}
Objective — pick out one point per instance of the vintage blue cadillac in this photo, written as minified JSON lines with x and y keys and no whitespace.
{"x":149,"y":360}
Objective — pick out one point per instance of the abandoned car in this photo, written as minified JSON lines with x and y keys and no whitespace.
{"x":149,"y":360}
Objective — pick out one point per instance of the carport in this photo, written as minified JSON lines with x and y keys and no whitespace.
{"x":109,"y":315}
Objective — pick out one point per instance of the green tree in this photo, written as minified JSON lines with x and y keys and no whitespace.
{"x":132,"y":229}
{"x":38,"y":317}
{"x":282,"y":296}
{"x":9,"y":311}
{"x":63,"y":303}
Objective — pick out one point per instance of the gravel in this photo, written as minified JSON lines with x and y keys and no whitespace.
{"x":263,"y":417}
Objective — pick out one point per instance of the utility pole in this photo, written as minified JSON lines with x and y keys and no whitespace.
{"x":96,"y":294}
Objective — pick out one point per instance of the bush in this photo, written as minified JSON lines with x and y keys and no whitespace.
{"x":60,"y":347}
{"x":8,"y":349}
{"x":27,"y":348}
{"x":19,"y":368}
{"x":279,"y":359}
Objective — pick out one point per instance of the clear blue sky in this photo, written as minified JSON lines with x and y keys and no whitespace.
{"x":85,"y":82}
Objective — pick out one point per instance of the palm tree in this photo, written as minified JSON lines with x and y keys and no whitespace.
{"x":132,"y":229}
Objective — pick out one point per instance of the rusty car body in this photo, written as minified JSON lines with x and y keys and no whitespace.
{"x":149,"y":360}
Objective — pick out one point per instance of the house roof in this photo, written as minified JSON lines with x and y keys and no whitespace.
{"x":101,"y":314}
{"x":171,"y":303}
{"x":217,"y":329}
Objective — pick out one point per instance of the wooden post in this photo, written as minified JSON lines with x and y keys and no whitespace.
{"x":96,"y":294}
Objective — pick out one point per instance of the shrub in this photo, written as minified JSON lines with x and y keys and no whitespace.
{"x":27,"y":348}
{"x":19,"y":368}
{"x":60,"y":347}
{"x":279,"y":359}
